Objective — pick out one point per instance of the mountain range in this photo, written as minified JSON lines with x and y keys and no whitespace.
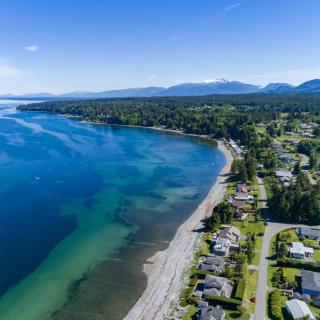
{"x":219,"y":86}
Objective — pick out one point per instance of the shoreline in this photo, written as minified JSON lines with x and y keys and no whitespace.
{"x":165,"y":269}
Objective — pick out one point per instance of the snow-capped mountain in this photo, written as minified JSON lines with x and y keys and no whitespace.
{"x":206,"y":87}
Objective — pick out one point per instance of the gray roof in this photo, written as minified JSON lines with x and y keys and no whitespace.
{"x":211,"y":281}
{"x":309,"y":232}
{"x":298,"y":309}
{"x":212,"y":313}
{"x":214,"y":263}
{"x":310,"y":280}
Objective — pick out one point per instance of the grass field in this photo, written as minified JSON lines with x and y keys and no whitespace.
{"x":250,"y":226}
{"x":250,"y":290}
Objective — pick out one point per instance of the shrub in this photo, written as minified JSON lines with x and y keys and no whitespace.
{"x":231,"y":304}
{"x":291,"y":263}
{"x":275,"y":305}
{"x":240,"y":289}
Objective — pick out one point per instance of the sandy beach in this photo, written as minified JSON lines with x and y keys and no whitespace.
{"x":165,"y":269}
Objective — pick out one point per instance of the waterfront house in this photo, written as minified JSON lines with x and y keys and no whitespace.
{"x":299,"y":251}
{"x":310,"y":283}
{"x":309,"y":233}
{"x":230,"y":232}
{"x":238,"y":204}
{"x":221,"y":246}
{"x":212,"y":313}
{"x":298,"y":310}
{"x":215,"y":286}
{"x":212,"y":263}
{"x":241,"y":187}
{"x":242,"y":196}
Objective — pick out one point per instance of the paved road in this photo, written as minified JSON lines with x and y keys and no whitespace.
{"x":271,"y":229}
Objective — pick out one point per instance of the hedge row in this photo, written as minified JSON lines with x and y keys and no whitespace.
{"x":226,"y":303}
{"x":240,"y":289}
{"x":290,"y":263}
{"x":275,"y":307}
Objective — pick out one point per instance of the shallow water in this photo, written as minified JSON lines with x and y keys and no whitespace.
{"x":83,"y":206}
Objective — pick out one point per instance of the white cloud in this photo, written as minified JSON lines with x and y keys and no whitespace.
{"x":32,"y":48}
{"x":9,"y":71}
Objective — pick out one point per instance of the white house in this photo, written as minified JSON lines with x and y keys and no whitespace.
{"x":299,"y":251}
{"x":299,"y":309}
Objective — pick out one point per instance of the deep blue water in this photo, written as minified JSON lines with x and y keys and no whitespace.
{"x":75,"y":198}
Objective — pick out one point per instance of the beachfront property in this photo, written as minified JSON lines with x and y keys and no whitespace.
{"x":214,"y":286}
{"x":230,"y":232}
{"x":237,"y":151}
{"x":298,"y":310}
{"x":243,"y":196}
{"x":223,"y":246}
{"x":212,"y":263}
{"x":242,"y":187}
{"x":310,"y":284}
{"x":309,"y":233}
{"x":299,"y":251}
{"x":212,"y":313}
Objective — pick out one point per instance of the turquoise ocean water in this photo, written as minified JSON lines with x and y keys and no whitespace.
{"x":83,"y":206}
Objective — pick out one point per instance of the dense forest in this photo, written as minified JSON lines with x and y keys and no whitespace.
{"x":300,"y":202}
{"x":217,"y":115}
{"x":227,"y":116}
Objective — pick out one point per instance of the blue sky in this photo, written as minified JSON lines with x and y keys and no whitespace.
{"x":65,"y":45}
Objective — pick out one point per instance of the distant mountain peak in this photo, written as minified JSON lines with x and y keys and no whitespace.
{"x":219,"y":80}
{"x":206,"y":87}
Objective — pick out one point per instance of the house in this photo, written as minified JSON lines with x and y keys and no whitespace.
{"x":212,"y":313}
{"x":242,"y":196}
{"x":212,"y":263}
{"x":309,"y":233}
{"x":215,"y":286}
{"x":283,"y":172}
{"x":230,"y":232}
{"x":221,"y":246}
{"x":277,"y":147}
{"x":298,"y":310}
{"x":299,"y":251}
{"x":238,"y":204}
{"x":310,"y":283}
{"x":241,"y":187}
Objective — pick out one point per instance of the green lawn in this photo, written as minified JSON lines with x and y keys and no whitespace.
{"x":249,"y":226}
{"x":231,"y":189}
{"x":311,"y":243}
{"x":289,"y":273}
{"x":256,"y":258}
{"x":316,"y":255}
{"x":191,"y":314}
{"x":293,"y":235}
{"x":250,"y":290}
{"x":259,"y":243}
{"x":315,"y":310}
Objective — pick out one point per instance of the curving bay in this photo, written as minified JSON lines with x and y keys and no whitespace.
{"x":83,"y":207}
